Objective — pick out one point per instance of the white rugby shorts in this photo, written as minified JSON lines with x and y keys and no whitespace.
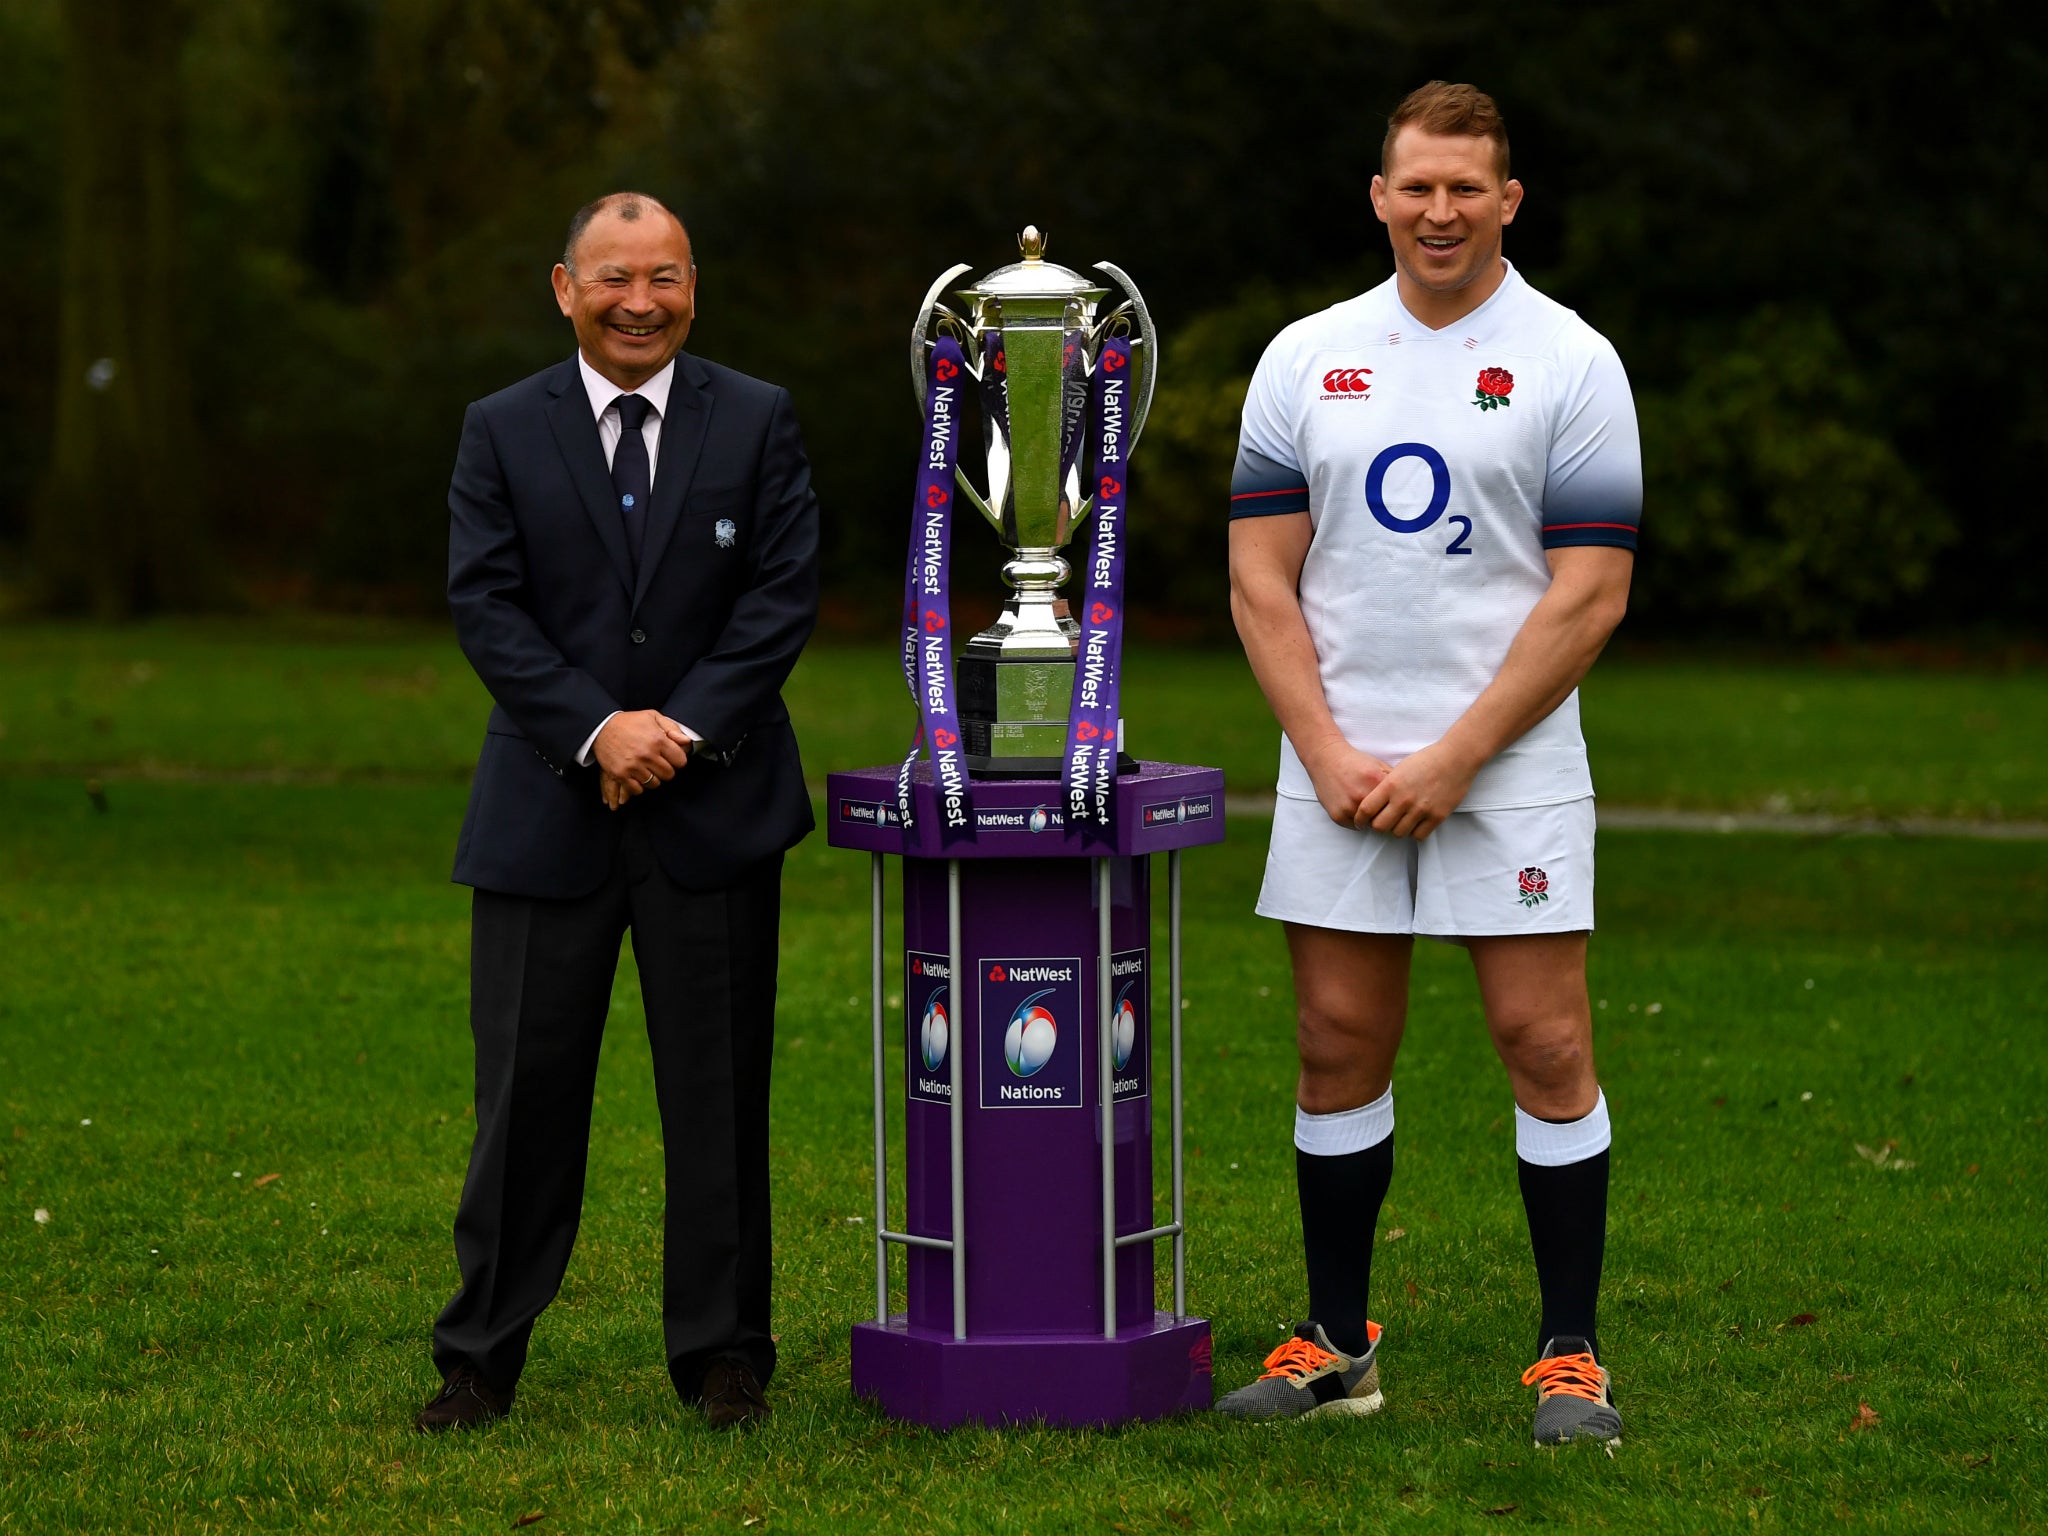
{"x":1480,"y":874}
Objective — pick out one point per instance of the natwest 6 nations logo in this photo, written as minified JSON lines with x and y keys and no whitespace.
{"x":1030,"y":1018}
{"x":932,"y":1032}
{"x":929,"y":1022}
{"x":1130,"y":1047}
{"x":1164,"y":813}
{"x":1033,"y":1035}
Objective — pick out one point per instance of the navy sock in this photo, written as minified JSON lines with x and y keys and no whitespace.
{"x":1340,"y":1208}
{"x":1567,"y":1207}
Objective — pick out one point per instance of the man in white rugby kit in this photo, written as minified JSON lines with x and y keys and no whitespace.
{"x":1434,"y":518}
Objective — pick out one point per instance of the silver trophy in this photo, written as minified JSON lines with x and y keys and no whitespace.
{"x":1031,"y":332}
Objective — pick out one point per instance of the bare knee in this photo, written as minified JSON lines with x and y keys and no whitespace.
{"x":1351,"y":1001}
{"x":1326,"y":1039}
{"x":1347,"y":1056}
{"x":1550,"y":1062}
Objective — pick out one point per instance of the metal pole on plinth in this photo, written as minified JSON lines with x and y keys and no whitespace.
{"x":1180,"y":1231}
{"x":881,"y":1108}
{"x":957,"y":1123}
{"x":1105,"y":1067}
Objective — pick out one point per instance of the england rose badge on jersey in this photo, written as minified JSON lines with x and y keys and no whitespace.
{"x":1495,"y":385}
{"x":1532,"y":887}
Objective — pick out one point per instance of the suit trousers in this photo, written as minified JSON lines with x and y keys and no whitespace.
{"x":540,"y":987}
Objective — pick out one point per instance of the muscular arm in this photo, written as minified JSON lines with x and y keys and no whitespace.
{"x":1266,"y":555}
{"x":1555,"y":647}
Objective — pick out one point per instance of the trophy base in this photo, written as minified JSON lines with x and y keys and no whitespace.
{"x":1013,"y":712}
{"x":1000,"y":768}
{"x":1019,"y":689}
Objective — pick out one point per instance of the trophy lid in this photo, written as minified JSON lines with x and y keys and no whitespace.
{"x":1034,"y":278}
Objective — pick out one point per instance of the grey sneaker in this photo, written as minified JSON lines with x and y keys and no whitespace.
{"x":1574,"y":1394}
{"x":1308,"y":1375}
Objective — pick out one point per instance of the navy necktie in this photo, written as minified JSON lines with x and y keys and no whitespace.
{"x":632,"y":476}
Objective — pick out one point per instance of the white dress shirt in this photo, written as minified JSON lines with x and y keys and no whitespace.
{"x":604,"y":398}
{"x":604,"y":405}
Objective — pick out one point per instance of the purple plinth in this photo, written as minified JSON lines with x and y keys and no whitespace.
{"x":1150,"y":1371}
{"x":1032,"y":1151}
{"x":1160,"y":807}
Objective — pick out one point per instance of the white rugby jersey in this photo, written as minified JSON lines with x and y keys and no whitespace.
{"x":1436,"y":468}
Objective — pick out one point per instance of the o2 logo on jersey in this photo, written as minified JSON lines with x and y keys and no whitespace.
{"x":1439,"y":495}
{"x":1029,"y":1041}
{"x":933,"y":1034}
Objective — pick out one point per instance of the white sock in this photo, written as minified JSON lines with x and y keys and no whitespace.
{"x":1550,"y":1144}
{"x":1348,"y":1130}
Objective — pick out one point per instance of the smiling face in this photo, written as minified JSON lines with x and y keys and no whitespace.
{"x":632,"y":293}
{"x":1444,"y":199}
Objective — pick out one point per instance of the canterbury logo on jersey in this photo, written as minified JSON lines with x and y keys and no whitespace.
{"x":1346,"y":383}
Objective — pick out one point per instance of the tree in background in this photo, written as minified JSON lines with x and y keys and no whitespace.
{"x":118,"y":523}
{"x":1769,"y":211}
{"x":1776,"y":501}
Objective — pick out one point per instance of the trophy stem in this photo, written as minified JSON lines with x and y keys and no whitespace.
{"x":1017,"y":676}
{"x":1034,"y":622}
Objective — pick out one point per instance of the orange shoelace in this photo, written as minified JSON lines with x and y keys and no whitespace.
{"x":1569,"y":1375}
{"x":1296,"y":1358}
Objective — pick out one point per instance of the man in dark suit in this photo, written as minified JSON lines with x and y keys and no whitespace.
{"x":633,"y":569}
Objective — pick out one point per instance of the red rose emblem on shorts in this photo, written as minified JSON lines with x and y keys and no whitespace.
{"x":1495,"y":385}
{"x":1534,"y":887}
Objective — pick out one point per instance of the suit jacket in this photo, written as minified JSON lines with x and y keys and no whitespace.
{"x":562,"y":632}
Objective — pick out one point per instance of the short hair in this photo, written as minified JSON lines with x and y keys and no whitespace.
{"x":1442,"y":108}
{"x":628,"y":206}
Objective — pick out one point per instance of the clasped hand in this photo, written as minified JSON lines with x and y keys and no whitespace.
{"x":1410,"y":799}
{"x":637,"y":751}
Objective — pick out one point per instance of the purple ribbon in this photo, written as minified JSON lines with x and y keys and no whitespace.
{"x":1088,"y":777}
{"x":927,"y":601}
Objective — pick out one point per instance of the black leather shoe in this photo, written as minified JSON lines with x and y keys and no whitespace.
{"x":464,"y":1400}
{"x":732,"y":1394}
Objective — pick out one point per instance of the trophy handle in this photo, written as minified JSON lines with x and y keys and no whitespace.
{"x":1148,"y":350}
{"x":920,"y":333}
{"x":920,"y":338}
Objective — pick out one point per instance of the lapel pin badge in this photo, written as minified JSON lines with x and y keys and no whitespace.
{"x":724,"y":532}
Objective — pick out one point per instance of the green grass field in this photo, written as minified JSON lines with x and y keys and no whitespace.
{"x":250,"y":964}
{"x":332,"y":701}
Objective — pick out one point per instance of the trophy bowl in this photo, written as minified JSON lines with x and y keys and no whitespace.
{"x":1032,"y":333}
